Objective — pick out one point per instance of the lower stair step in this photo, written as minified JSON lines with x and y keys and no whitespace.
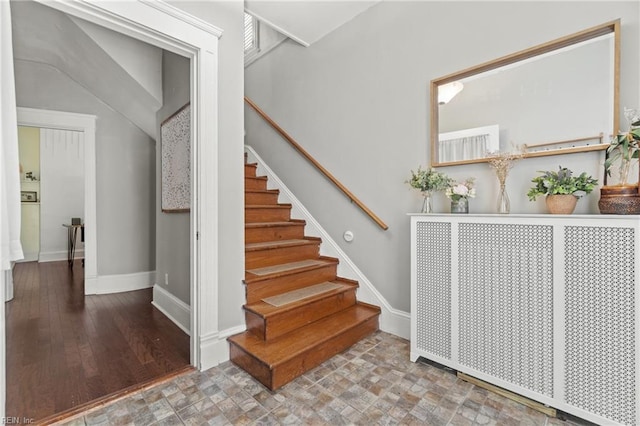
{"x":258,"y":197}
{"x":273,"y":231}
{"x":258,"y":255}
{"x":276,"y":279}
{"x":275,"y":363}
{"x":267,"y":213}
{"x":313,"y":303}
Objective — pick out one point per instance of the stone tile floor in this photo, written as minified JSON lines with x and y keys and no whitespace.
{"x":372,"y":383}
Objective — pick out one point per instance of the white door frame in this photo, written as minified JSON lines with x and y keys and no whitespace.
{"x":85,"y":123}
{"x":167,"y":27}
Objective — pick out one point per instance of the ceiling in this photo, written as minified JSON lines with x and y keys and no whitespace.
{"x":121,"y":72}
{"x":306,"y":21}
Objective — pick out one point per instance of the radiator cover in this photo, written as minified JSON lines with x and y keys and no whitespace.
{"x":541,"y":305}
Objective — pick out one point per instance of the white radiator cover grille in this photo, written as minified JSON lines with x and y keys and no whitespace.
{"x":505,"y":274}
{"x":433,"y":288}
{"x":599,"y":321}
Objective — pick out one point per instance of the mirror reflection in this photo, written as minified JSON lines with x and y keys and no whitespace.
{"x":555,"y":98}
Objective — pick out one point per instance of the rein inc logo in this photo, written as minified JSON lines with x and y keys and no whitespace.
{"x":16,"y":420}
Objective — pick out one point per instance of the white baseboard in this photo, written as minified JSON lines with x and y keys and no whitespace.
{"x":29,"y":257}
{"x":8,"y":284}
{"x":106,"y":284}
{"x":55,"y":256}
{"x":173,"y":308}
{"x":214,"y":348}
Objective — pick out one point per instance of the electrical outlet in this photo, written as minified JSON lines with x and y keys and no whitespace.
{"x":166,"y":279}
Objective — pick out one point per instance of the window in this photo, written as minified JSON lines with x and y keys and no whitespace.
{"x":250,"y":34}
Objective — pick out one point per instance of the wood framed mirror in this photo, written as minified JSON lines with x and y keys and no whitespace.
{"x":556,"y":98}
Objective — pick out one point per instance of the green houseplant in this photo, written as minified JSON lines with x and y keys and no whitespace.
{"x":427,"y":182}
{"x":562,"y":189}
{"x":623,"y":151}
{"x":624,"y":148}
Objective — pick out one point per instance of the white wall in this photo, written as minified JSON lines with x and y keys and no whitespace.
{"x":172,"y":229}
{"x":61,"y":190}
{"x":358,"y":101}
{"x":229,"y":16}
{"x":125,"y":167}
{"x":140,"y":60}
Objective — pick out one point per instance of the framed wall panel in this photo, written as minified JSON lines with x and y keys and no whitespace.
{"x":175,"y":135}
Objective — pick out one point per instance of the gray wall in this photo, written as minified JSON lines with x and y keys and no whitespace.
{"x":125,"y":169}
{"x":172,"y":229}
{"x":358,"y":99}
{"x":229,"y":16}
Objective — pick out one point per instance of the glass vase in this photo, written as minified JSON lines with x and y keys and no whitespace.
{"x":504,"y":206}
{"x":426,"y":203}
{"x":460,"y":206}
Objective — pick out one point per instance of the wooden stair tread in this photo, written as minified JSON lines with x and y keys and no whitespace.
{"x":296,"y":222}
{"x":268,"y":206}
{"x":297,"y":342}
{"x":284,"y":268}
{"x":278,"y":244}
{"x":263,"y":191}
{"x":265,"y":309}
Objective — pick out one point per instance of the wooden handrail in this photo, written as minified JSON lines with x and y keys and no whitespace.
{"x":315,"y":163}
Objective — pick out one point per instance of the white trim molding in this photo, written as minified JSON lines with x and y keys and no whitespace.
{"x":392,"y":320}
{"x":184,"y":17}
{"x":215,"y":348}
{"x":8,"y":283}
{"x":107,"y":284}
{"x":172,"y":307}
{"x":56,"y":256}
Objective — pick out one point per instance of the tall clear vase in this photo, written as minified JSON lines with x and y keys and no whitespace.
{"x":504,"y":206}
{"x":426,"y":203}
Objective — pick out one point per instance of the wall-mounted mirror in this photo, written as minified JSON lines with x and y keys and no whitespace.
{"x":556,"y":98}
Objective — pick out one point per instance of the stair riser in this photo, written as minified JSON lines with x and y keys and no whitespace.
{"x":249,"y":170}
{"x":255,"y":183}
{"x":257,"y":291}
{"x":260,"y":198}
{"x":311,"y":358}
{"x":298,"y":366}
{"x":276,"y":326}
{"x":277,"y":214}
{"x":274,"y":233}
{"x":276,"y":256}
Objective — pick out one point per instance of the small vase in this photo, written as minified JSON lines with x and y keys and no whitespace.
{"x":504,"y":206}
{"x":426,"y":203}
{"x":460,"y":206}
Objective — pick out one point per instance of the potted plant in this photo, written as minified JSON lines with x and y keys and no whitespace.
{"x":562,"y":189}
{"x":427,"y":182}
{"x":623,"y":150}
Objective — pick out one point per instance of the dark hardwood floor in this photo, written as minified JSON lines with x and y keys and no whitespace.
{"x":65,"y":349}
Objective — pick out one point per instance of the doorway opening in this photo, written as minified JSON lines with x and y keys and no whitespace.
{"x":163,"y":27}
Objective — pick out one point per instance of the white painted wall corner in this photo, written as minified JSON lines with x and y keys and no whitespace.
{"x":173,"y":308}
{"x":107,"y":284}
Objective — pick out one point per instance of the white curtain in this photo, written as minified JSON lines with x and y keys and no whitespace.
{"x":10,"y":248}
{"x":465,"y":148}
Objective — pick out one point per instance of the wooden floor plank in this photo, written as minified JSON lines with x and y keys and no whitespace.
{"x":65,"y":349}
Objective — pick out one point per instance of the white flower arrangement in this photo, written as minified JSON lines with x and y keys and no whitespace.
{"x":460,"y":190}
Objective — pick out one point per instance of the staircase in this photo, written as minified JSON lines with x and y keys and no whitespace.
{"x":299,"y":313}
